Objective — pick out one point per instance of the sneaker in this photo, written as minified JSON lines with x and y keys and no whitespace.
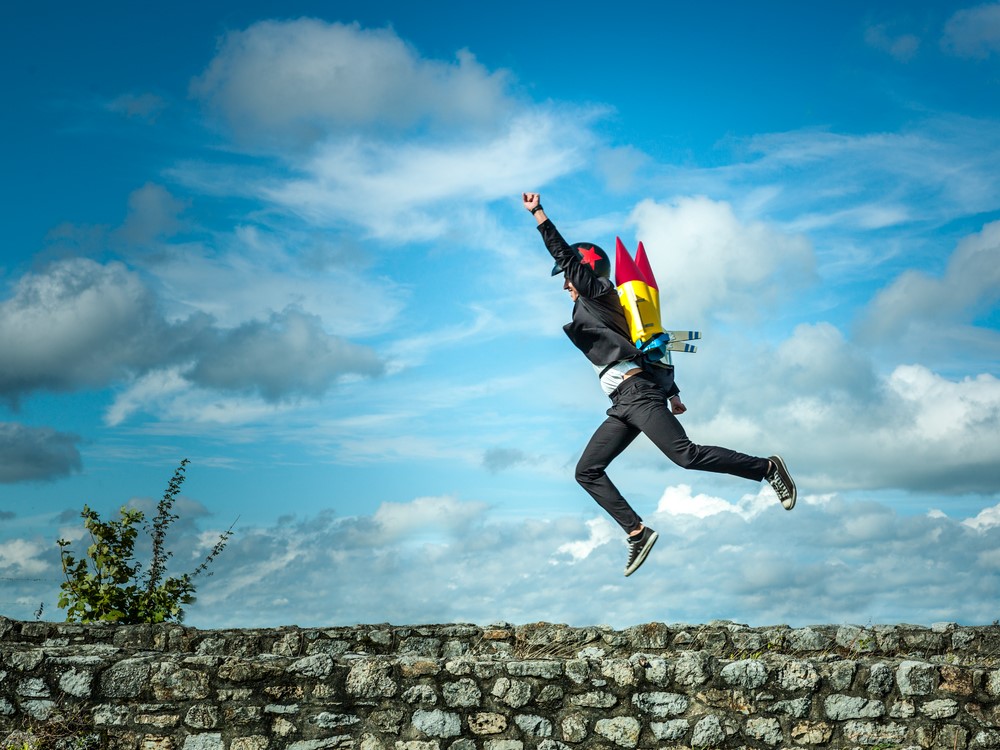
{"x":638,"y":547}
{"x":782,"y":483}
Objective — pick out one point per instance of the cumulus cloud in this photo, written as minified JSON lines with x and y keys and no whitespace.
{"x":828,"y":561}
{"x":711,"y":264}
{"x":427,"y":141}
{"x":973,"y":32}
{"x":920,"y":313}
{"x":987,"y":518}
{"x":23,"y":557}
{"x":445,"y":559}
{"x":416,"y":185}
{"x":435,"y":515}
{"x":81,"y":324}
{"x":288,"y":356}
{"x":306,"y":77}
{"x":818,"y":400}
{"x":252,"y":272}
{"x":77,"y":324}
{"x":36,"y":453}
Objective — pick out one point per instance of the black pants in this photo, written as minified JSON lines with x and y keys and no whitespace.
{"x":639,"y":405}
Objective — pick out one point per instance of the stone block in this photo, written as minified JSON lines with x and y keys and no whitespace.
{"x":916,"y":678}
{"x":621,"y":671}
{"x":870,"y":733}
{"x":675,"y":729}
{"x":746,"y":673}
{"x":956,"y":680}
{"x":251,"y":742}
{"x":798,"y":675}
{"x":840,"y":707}
{"x":535,"y":726}
{"x":317,"y":665}
{"x":596,"y":699}
{"x":574,"y":728}
{"x":76,"y":682}
{"x":547,"y":669}
{"x":812,"y":733}
{"x":463,"y":693}
{"x":437,"y":723}
{"x":766,"y":730}
{"x":371,"y":679}
{"x":487,"y":723}
{"x":691,"y":668}
{"x":515,"y":693}
{"x":661,"y":705}
{"x":880,"y":679}
{"x":708,"y":732}
{"x":207,"y":741}
{"x":943,"y":708}
{"x":622,"y":730}
{"x":126,"y":679}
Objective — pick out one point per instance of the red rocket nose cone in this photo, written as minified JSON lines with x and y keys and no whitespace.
{"x":643,"y":267}
{"x":625,"y":269}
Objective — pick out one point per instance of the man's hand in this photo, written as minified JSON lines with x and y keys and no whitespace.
{"x":676,"y":406}
{"x":531,"y":200}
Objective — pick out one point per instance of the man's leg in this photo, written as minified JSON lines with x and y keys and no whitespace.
{"x":646,"y":409}
{"x":610,"y":439}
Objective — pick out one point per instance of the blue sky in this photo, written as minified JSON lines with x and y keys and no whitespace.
{"x":285,"y":241}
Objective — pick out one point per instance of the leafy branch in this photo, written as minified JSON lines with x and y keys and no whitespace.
{"x":106,"y":585}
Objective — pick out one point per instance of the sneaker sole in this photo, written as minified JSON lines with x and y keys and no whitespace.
{"x":784,"y":470}
{"x":642,"y":555}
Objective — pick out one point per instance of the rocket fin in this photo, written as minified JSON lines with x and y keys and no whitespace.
{"x":684,"y":335}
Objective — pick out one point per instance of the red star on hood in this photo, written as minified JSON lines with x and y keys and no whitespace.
{"x":589,"y":256}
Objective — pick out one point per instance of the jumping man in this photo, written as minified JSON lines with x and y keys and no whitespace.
{"x":643,"y":398}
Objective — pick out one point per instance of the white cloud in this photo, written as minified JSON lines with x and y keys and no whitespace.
{"x":254,"y":273}
{"x":828,"y":561}
{"x":987,"y":518}
{"x":710,"y":264}
{"x":434,"y":516}
{"x":973,"y":32}
{"x":678,"y":501}
{"x":839,"y":187}
{"x":286,"y":357}
{"x":601,"y":531}
{"x":404,"y":146}
{"x":306,"y":77}
{"x":22,"y":556}
{"x":922,"y":314}
{"x":418,"y":186}
{"x":78,"y":323}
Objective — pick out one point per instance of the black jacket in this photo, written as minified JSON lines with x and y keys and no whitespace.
{"x":599,"y":328}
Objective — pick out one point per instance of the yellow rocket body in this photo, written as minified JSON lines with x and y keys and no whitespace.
{"x":641,"y":304}
{"x":640,"y":300}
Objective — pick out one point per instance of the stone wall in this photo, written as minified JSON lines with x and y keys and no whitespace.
{"x":465,"y":687}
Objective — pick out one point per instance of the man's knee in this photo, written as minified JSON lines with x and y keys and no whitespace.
{"x":586,"y":472}
{"x":686,"y":458}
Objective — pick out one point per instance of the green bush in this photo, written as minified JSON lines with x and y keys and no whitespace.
{"x":107,"y":584}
